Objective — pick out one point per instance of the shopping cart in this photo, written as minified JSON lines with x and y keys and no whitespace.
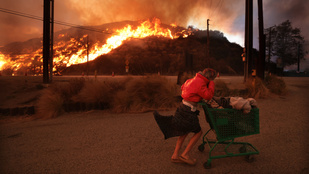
{"x":228,"y":124}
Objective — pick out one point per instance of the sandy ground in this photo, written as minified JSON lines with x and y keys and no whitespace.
{"x":103,"y":142}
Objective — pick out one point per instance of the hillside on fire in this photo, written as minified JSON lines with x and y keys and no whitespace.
{"x":139,"y":47}
{"x":159,"y":54}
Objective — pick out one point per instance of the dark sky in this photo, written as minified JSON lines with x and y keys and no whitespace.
{"x":225,"y":15}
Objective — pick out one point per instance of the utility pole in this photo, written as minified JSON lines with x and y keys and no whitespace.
{"x":48,"y":34}
{"x":51,"y":42}
{"x":249,"y":36}
{"x":244,"y":59}
{"x":207,"y":53}
{"x":260,"y":62}
{"x":298,"y":58}
{"x":46,"y":40}
{"x":87,"y":54}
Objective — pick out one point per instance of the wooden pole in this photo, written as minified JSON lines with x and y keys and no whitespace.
{"x":46,"y":40}
{"x":208,"y":43}
{"x":298,"y":57}
{"x":87,"y":55}
{"x":51,"y":41}
{"x":260,"y":62}
{"x":249,"y":36}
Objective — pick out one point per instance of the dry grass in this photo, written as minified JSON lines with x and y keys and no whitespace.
{"x":275,"y":85}
{"x":149,"y":93}
{"x":256,"y":88}
{"x":126,"y":95}
{"x":50,"y":103}
{"x":93,"y":92}
{"x":76,"y":85}
{"x":138,"y":94}
{"x":221,"y":88}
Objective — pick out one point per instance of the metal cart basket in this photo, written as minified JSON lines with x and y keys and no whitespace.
{"x":228,"y":124}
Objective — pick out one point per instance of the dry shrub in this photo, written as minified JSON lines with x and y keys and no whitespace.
{"x":126,"y":95}
{"x":143,"y":94}
{"x":75,"y":86}
{"x":256,"y":88}
{"x":119,"y":85}
{"x":68,"y":89}
{"x":50,"y":102}
{"x":221,"y":88}
{"x":94,"y":92}
{"x":275,"y":85}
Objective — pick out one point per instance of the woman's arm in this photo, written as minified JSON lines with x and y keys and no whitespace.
{"x":207,"y":92}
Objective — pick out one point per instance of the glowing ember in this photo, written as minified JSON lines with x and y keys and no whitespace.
{"x":74,"y":50}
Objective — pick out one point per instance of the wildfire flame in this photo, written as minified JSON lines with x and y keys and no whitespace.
{"x":74,"y":51}
{"x":146,"y":29}
{"x":2,"y":61}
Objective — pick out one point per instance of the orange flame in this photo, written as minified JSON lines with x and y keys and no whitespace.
{"x":146,"y":29}
{"x":73,"y":51}
{"x":2,"y":61}
{"x":174,"y":25}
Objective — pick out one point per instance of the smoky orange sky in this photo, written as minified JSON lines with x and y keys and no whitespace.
{"x":225,"y":15}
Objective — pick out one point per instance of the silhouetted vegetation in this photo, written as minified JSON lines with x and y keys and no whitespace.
{"x":166,"y":56}
{"x":286,"y":43}
{"x":124,"y":95}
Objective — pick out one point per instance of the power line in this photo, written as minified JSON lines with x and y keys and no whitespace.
{"x":41,"y":19}
{"x":20,"y":14}
{"x":78,"y":26}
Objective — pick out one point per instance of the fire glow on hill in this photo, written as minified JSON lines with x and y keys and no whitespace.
{"x":74,"y":51}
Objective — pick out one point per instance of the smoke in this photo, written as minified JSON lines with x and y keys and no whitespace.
{"x":226,"y":16}
{"x":14,"y":28}
{"x":297,"y":11}
{"x":181,"y":12}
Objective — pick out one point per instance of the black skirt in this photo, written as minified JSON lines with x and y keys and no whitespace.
{"x":183,"y":122}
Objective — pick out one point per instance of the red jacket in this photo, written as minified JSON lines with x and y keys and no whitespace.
{"x":197,"y":88}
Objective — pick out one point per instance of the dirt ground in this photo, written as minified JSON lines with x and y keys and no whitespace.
{"x":104,"y":142}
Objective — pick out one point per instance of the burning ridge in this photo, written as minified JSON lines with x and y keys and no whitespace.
{"x":74,"y":46}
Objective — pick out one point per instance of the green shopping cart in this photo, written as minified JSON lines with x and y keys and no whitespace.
{"x":228,"y":124}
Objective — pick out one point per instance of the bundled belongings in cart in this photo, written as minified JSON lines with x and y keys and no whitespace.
{"x":229,"y":118}
{"x":238,"y":103}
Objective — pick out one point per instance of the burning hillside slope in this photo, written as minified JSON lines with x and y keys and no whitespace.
{"x":165,"y":56}
{"x":71,"y":46}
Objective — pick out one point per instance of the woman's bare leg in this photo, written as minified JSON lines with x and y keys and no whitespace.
{"x":191,"y":143}
{"x":178,"y":146}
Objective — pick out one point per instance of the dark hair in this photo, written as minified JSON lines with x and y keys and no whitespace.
{"x":210,"y":74}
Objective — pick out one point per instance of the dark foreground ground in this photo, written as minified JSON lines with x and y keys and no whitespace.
{"x":103,"y":142}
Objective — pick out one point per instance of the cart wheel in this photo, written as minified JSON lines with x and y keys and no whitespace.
{"x":243,"y":149}
{"x":249,"y":158}
{"x":207,"y":164}
{"x":201,"y":147}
